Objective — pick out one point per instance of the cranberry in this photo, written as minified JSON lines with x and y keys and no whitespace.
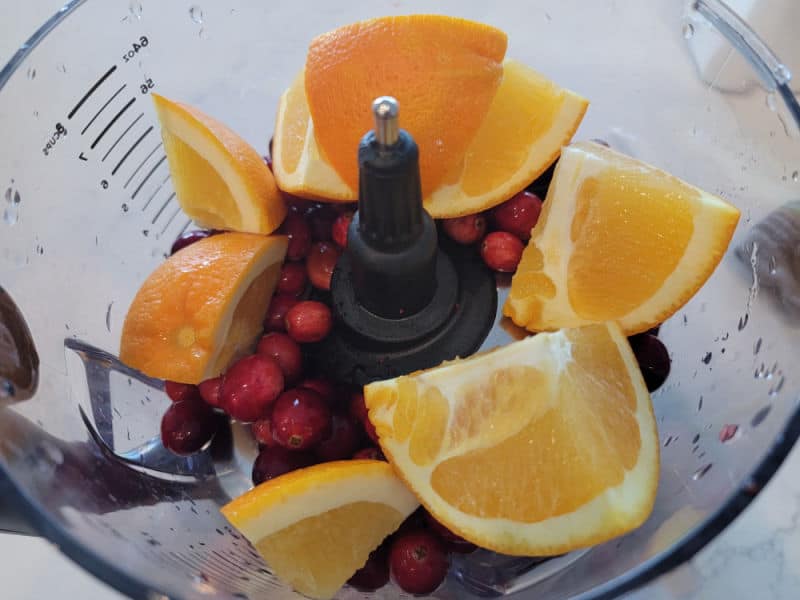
{"x":358,"y":409}
{"x":518,"y":215}
{"x":269,"y":148}
{"x":300,"y":419}
{"x":369,"y":453}
{"x":250,"y":386}
{"x":467,"y":229}
{"x":209,"y":391}
{"x":189,"y":238}
{"x":309,"y":321}
{"x":180,"y":391}
{"x":320,"y":220}
{"x":502,"y":251}
{"x":187,"y":426}
{"x":320,"y":264}
{"x":653,"y":359}
{"x":277,"y":461}
{"x":418,"y":562}
{"x":276,"y":313}
{"x":375,"y":573}
{"x":286,"y":352}
{"x":292,"y":280}
{"x":414,"y":522}
{"x":296,"y":228}
{"x":340,"y":227}
{"x":324,"y":387}
{"x":262,"y":432}
{"x":453,"y":543}
{"x":344,"y":438}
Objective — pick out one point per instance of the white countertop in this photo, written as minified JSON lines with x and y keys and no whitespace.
{"x":756,"y":557}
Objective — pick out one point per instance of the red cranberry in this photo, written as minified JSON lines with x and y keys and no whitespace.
{"x":369,"y":453}
{"x":453,"y":543}
{"x":250,"y":386}
{"x":180,"y":391}
{"x":375,"y":573}
{"x":189,"y":238}
{"x":320,"y":220}
{"x":296,"y":228}
{"x":320,"y":264}
{"x":502,"y":251}
{"x":309,"y":321}
{"x":418,"y":562}
{"x":298,"y":205}
{"x":340,"y":227}
{"x":324,"y":387}
{"x":518,"y":215}
{"x":286,"y":352}
{"x":300,"y":419}
{"x":358,"y":409}
{"x":467,"y":229}
{"x":277,"y":461}
{"x":209,"y":391}
{"x":414,"y":522}
{"x":276,"y":313}
{"x":292,"y":280}
{"x":653,"y":359}
{"x":344,"y":438}
{"x":262,"y":432}
{"x":187,"y":426}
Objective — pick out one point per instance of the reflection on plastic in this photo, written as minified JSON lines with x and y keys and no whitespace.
{"x":19,"y":362}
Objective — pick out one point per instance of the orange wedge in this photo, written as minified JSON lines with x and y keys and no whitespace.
{"x":220,"y":180}
{"x":529,"y":120}
{"x":203,"y":307}
{"x":444,"y":72}
{"x":540,"y":447}
{"x":618,"y":240}
{"x":316,"y":527}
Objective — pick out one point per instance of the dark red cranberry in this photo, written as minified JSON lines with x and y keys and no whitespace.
{"x":320,"y":220}
{"x":286,"y":352}
{"x":413,"y":522}
{"x":324,"y":387}
{"x":453,"y":543}
{"x":187,"y":426}
{"x":343,"y":440}
{"x":369,"y":453}
{"x":250,"y":386}
{"x":358,"y":409}
{"x":296,"y":228}
{"x":375,"y":573}
{"x":309,"y":321}
{"x":189,"y":238}
{"x":277,"y":461}
{"x":418,"y":562}
{"x":209,"y":391}
{"x":300,"y":419}
{"x":180,"y":391}
{"x":653,"y":359}
{"x":340,"y":227}
{"x":297,"y":205}
{"x":466,"y":230}
{"x":276,"y":313}
{"x":321,"y":262}
{"x":518,"y":215}
{"x":502,"y":251}
{"x":262,"y":431}
{"x":292,"y":280}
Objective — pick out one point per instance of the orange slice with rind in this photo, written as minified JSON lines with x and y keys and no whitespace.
{"x":203,"y":307}
{"x":618,"y":240}
{"x":220,"y":180}
{"x":315,"y":527}
{"x":537,"y":448}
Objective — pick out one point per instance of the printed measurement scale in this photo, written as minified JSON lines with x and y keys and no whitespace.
{"x":122,"y":138}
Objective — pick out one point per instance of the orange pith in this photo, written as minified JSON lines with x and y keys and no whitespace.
{"x":442,"y":70}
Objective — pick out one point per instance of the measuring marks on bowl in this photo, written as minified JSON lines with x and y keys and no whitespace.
{"x":119,"y":135}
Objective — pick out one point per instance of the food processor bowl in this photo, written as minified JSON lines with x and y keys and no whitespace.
{"x":88,"y":210}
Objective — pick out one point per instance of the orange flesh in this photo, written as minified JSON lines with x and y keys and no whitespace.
{"x":296,"y":129}
{"x":614,"y":268}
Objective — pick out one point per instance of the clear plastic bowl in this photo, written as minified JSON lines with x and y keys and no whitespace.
{"x":88,"y":210}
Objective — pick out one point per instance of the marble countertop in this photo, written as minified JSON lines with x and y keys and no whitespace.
{"x":758,"y":556}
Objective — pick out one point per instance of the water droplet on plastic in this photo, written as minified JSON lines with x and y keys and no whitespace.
{"x":757,"y":346}
{"x":796,"y":176}
{"x":36,"y":114}
{"x":124,"y":208}
{"x":759,"y":417}
{"x":743,"y":321}
{"x":202,"y":33}
{"x":11,"y":212}
{"x":773,"y":265}
{"x":700,"y":473}
{"x":727,"y":433}
{"x":61,"y":68}
{"x":775,"y":389}
{"x":31,"y":73}
{"x":772,"y":102}
{"x":783,"y":74}
{"x":135,"y":8}
{"x":688,"y":31}
{"x":707,"y":358}
{"x":196,"y":14}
